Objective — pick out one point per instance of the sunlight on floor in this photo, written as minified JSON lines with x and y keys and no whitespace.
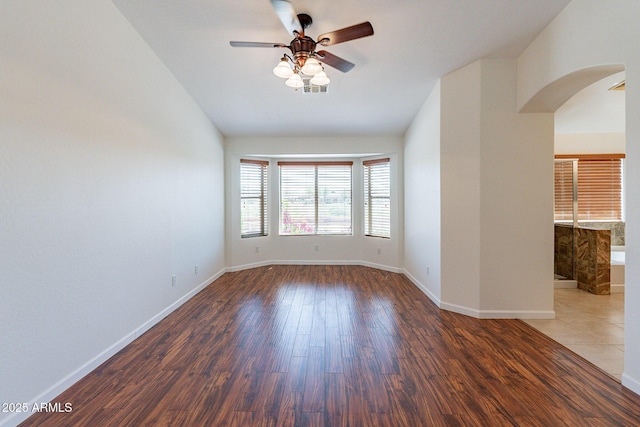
{"x":589,"y":325}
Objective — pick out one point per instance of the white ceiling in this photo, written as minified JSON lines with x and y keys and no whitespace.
{"x":415,"y":43}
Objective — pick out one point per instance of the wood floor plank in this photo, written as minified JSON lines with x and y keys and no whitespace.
{"x":339,"y":346}
{"x":314,"y":381}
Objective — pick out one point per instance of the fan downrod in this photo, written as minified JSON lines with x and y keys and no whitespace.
{"x":305,"y":20}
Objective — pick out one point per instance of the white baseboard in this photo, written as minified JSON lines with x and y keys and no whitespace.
{"x":380,"y":267}
{"x":617,"y":289}
{"x":49,"y":394}
{"x":164,"y":313}
{"x":422,"y":287}
{"x":517,"y":314}
{"x":314,"y":262}
{"x":573,"y":284}
{"x":460,"y":309}
{"x":56,"y":389}
{"x":248,"y":266}
{"x":565,"y":284}
{"x":631,"y":383}
{"x":499,"y":314}
{"x":481,"y":314}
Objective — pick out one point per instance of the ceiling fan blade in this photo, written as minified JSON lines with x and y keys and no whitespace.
{"x":345,"y":34}
{"x":288,"y":16}
{"x":335,"y":61}
{"x":256,"y":44}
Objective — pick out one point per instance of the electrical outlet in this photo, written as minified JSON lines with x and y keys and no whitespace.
{"x":379,"y":251}
{"x":195,"y":270}
{"x":427,"y":271}
{"x":317,"y":248}
{"x":257,"y":249}
{"x":173,"y":281}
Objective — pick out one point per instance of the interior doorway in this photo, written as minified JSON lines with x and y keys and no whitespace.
{"x":590,"y":123}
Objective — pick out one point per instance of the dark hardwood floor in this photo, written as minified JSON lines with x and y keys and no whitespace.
{"x":339,"y":346}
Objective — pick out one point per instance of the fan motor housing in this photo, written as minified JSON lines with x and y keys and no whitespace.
{"x":301,"y":48}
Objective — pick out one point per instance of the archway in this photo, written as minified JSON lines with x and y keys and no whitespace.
{"x":585,"y":141}
{"x":556,"y":93}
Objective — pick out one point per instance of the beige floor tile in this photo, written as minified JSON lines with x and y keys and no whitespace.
{"x":590,"y":325}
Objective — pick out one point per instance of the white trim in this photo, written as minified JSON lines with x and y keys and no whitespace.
{"x":314,"y":262}
{"x":631,"y":383}
{"x":517,"y":314}
{"x":499,"y":314}
{"x":460,"y":309}
{"x":248,"y":266}
{"x":56,"y":389}
{"x":481,"y":314}
{"x":565,"y":284}
{"x":164,"y":313}
{"x":573,"y":284}
{"x":422,"y":287}
{"x":616,"y":289}
{"x":381,"y":267}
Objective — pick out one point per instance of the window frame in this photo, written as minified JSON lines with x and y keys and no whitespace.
{"x":263,"y":198}
{"x":368,"y":196}
{"x":317,"y":217}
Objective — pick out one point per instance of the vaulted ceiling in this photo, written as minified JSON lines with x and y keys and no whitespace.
{"x":415,"y":43}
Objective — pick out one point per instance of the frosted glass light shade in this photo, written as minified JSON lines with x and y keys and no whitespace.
{"x":294,"y":81}
{"x":320,"y":79}
{"x":311,"y":67}
{"x":283,"y":69}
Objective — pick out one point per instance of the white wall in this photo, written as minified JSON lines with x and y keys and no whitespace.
{"x":241,"y":253}
{"x":111,"y":180}
{"x":488,"y":170}
{"x":591,"y":34}
{"x":460,"y":146}
{"x":516,"y":174}
{"x":422,"y":187}
{"x":590,"y":143}
{"x":497,"y":241}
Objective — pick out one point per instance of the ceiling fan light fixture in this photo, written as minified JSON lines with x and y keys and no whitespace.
{"x":295,"y":81}
{"x":311,"y":67}
{"x":320,"y":79}
{"x":283,"y":69}
{"x":302,"y":68}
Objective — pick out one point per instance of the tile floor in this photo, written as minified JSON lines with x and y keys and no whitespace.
{"x":589,"y":325}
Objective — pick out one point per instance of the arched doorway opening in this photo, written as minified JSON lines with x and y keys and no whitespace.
{"x":589,"y":123}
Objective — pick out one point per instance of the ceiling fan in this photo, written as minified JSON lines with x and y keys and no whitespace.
{"x":305,"y":59}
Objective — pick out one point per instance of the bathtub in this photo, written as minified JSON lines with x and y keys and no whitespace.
{"x":617,"y":269}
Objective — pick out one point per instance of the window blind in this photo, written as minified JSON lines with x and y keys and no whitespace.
{"x":563,"y":190}
{"x":377,"y":198}
{"x":599,"y":188}
{"x":253,"y":197}
{"x":315,"y":198}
